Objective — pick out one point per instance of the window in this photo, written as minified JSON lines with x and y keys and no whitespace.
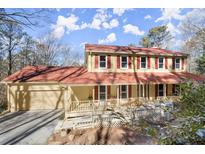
{"x":123,"y":92}
{"x":102,"y":92}
{"x":102,"y":61}
{"x":177,"y":63}
{"x":124,"y":62}
{"x":161,"y":62}
{"x":161,"y":90}
{"x":143,"y":62}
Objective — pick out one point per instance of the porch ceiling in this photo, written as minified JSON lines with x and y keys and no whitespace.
{"x":80,"y":76}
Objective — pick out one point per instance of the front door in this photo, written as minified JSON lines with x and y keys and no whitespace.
{"x":102,"y":94}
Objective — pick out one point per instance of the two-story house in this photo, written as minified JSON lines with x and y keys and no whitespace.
{"x":111,"y":75}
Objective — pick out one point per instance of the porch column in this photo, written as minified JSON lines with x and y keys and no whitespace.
{"x":67,"y":99}
{"x":143,"y":91}
{"x":165,"y":89}
{"x":93,"y":94}
{"x":8,"y":97}
{"x":118,"y":95}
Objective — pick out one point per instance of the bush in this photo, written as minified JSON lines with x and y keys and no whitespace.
{"x":192,"y":114}
{"x":3,"y":100}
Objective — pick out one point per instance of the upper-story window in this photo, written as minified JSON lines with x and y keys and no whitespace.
{"x":124,"y":62}
{"x":143,"y":62}
{"x":161,"y":62}
{"x":177,"y":63}
{"x":102,"y":61}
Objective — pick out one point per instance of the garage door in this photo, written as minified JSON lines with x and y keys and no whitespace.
{"x":31,"y":100}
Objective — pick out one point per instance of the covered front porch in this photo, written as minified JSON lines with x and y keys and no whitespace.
{"x":100,"y":98}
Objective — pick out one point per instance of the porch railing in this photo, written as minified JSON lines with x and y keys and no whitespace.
{"x":97,"y":105}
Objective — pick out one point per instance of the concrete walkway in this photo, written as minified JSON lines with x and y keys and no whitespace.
{"x":28,"y":127}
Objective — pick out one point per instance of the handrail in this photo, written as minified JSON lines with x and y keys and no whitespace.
{"x":89,"y":105}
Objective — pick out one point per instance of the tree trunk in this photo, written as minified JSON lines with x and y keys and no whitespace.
{"x":10,"y":57}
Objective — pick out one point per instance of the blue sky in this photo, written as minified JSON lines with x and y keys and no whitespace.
{"x":109,"y":26}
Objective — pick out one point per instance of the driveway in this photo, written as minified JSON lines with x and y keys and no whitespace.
{"x":28,"y":127}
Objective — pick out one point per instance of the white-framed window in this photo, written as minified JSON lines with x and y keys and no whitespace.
{"x":124,"y":62}
{"x":160,"y":62}
{"x":103,"y":61}
{"x":102,"y":91}
{"x":143,"y":62}
{"x":177,"y":63}
{"x":160,"y":90}
{"x":123,"y":91}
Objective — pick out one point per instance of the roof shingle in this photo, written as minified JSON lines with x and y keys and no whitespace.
{"x":80,"y":76}
{"x":131,"y":49}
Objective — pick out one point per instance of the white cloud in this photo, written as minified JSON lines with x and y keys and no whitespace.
{"x":113,"y":23}
{"x":124,"y":20}
{"x":132,"y":30}
{"x":172,"y":29}
{"x":69,"y":23}
{"x":120,"y":11}
{"x":170,"y":13}
{"x":109,"y":39}
{"x":58,"y":32}
{"x":148,"y":17}
{"x":95,"y":24}
{"x":58,"y":9}
{"x":83,"y":44}
{"x":102,"y":20}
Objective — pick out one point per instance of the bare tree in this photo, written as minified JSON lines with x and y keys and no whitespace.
{"x":193,"y":32}
{"x":24,"y":17}
{"x":11,"y":37}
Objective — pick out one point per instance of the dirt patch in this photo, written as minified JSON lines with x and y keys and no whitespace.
{"x":100,"y":136}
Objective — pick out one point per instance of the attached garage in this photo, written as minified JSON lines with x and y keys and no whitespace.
{"x":35,"y":96}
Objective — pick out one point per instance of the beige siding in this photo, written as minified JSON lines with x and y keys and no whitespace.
{"x":82,"y":92}
{"x":91,"y":65}
{"x":28,"y":96}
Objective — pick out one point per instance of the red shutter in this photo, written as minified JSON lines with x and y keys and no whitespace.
{"x":148,"y":63}
{"x":182,"y":63}
{"x":166,"y":63}
{"x":156,"y":90}
{"x":138,"y":62}
{"x":118,"y":61}
{"x":130,"y":91}
{"x":173,"y":63}
{"x":173,"y":89}
{"x":108,"y":61}
{"x":129,"y":62}
{"x":156,"y":62}
{"x":96,"y":61}
{"x":96,"y":92}
{"x":108,"y":92}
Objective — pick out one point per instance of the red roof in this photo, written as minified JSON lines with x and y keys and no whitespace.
{"x":131,"y":49}
{"x":80,"y":75}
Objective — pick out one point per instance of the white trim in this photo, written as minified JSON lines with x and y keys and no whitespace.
{"x":141,"y":62}
{"x":99,"y":91}
{"x":105,"y":61}
{"x":179,"y":63}
{"x":121,"y":91}
{"x":121,"y":62}
{"x":163,"y":63}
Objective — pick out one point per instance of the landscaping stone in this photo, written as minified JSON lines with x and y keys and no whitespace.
{"x":103,"y":135}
